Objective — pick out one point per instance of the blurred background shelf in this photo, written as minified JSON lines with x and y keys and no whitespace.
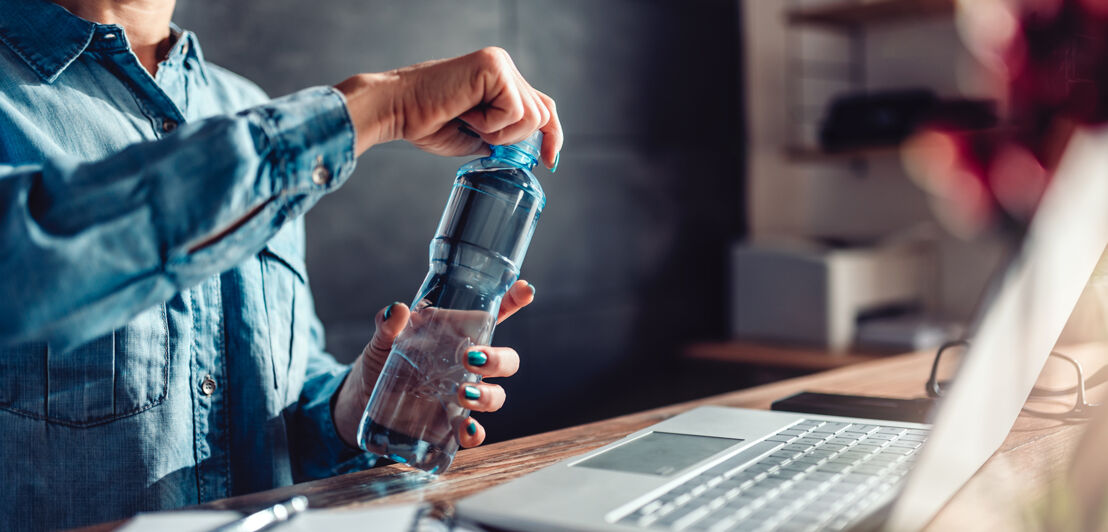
{"x":862,"y":12}
{"x":775,"y":356}
{"x":813,"y":154}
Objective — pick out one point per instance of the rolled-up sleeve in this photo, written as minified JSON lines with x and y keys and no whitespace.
{"x":84,"y":246}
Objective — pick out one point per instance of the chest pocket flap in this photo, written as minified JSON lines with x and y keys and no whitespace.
{"x":117,"y":375}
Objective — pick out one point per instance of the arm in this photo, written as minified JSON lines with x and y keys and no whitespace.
{"x":85,"y":246}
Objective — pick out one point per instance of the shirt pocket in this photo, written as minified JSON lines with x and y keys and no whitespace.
{"x":117,"y":375}
{"x":284,"y":276}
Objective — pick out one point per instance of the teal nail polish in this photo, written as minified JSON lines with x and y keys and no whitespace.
{"x":471,"y":428}
{"x":476,"y":358}
{"x":388,"y":311}
{"x":532,"y":287}
{"x":472,"y":393}
{"x":557,"y":157}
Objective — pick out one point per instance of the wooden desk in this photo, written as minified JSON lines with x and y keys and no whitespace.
{"x":1036,"y":448}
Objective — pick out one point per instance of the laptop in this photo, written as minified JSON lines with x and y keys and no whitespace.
{"x":717,"y":468}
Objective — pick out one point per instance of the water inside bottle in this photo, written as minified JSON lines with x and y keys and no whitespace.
{"x":418,"y":388}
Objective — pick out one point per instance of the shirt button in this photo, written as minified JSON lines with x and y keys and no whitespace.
{"x":168,"y":125}
{"x":207,"y":385}
{"x":320,"y":174}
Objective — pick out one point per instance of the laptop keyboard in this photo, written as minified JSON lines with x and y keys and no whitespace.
{"x":821,"y":476}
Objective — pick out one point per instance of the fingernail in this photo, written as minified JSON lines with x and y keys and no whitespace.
{"x":471,"y":428}
{"x":557,"y":157}
{"x":470,"y":132}
{"x":388,"y":311}
{"x":476,"y":358}
{"x":472,"y":393}
{"x":532,"y":287}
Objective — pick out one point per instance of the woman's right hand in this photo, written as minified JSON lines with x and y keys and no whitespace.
{"x":452,"y":106}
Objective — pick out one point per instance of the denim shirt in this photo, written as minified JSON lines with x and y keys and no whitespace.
{"x":158,"y":341}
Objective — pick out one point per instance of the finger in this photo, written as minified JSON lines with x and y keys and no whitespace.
{"x":544,"y":112}
{"x":502,"y":104}
{"x":470,"y":433}
{"x":390,"y":321}
{"x":552,"y":138}
{"x":521,"y":129}
{"x":481,"y":396}
{"x":519,"y":295}
{"x":492,"y":361}
{"x":453,"y":139}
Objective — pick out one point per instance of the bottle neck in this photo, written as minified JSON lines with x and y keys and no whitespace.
{"x":515,"y":156}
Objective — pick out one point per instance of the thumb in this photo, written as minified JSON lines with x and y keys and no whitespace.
{"x":390,"y":321}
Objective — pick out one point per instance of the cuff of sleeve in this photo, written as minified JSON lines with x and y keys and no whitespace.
{"x":313,"y":136}
{"x":322,"y":451}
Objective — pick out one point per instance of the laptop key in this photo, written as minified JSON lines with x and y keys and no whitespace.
{"x":820,"y":475}
{"x":668,"y":520}
{"x":869,"y":469}
{"x":856,"y":478}
{"x":798,"y":466}
{"x":692,"y":517}
{"x":781,"y":438}
{"x":832,"y":467}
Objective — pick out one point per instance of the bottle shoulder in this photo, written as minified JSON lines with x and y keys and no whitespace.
{"x":492,"y":168}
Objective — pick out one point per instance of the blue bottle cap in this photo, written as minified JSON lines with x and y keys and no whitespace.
{"x":532,"y":146}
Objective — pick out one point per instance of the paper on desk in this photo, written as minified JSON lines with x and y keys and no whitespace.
{"x":383,"y":519}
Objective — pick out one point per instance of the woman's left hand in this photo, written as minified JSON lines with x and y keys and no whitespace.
{"x":486,"y":397}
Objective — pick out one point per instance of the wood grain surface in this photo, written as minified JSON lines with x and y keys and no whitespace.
{"x":1035,"y":452}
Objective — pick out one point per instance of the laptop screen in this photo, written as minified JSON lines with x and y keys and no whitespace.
{"x":1016,"y":333}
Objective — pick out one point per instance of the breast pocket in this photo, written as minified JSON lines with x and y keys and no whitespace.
{"x":117,"y":375}
{"x":285,"y":286}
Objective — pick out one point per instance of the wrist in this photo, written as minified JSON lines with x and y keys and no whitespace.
{"x":370,"y":100}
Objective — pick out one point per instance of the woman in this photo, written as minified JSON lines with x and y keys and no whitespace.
{"x":158,"y":342}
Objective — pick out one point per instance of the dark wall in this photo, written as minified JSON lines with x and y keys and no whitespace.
{"x":628,"y":260}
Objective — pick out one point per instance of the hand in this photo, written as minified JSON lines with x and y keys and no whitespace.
{"x":452,"y":106}
{"x":502,"y":362}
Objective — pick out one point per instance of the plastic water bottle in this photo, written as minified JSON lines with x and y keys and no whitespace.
{"x":413,"y":415}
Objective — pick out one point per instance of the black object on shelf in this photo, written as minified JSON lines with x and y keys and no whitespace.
{"x":863,"y":120}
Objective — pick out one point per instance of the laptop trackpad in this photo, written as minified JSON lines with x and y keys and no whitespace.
{"x":658,"y":453}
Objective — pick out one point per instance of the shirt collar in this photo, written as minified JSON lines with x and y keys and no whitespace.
{"x":185,"y":49}
{"x":48,"y":38}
